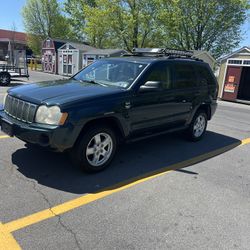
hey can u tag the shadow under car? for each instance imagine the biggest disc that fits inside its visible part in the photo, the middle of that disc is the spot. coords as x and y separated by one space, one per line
133 161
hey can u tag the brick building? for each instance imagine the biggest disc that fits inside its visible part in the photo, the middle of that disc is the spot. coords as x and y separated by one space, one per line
11 42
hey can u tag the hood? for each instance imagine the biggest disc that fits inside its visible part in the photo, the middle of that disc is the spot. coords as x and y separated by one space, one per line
61 91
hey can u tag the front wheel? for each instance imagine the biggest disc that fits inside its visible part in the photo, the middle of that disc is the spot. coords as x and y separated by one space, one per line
5 79
95 150
198 126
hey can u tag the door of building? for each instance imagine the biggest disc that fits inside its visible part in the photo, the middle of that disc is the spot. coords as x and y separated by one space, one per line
244 88
232 82
48 62
67 64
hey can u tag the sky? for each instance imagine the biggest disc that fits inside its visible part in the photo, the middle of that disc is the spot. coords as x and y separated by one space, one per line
11 14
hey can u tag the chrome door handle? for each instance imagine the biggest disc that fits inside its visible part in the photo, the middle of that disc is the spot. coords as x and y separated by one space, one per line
184 101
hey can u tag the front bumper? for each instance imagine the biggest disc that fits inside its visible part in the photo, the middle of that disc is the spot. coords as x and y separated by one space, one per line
58 138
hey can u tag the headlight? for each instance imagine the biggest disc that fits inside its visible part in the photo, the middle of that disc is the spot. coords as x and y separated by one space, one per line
50 115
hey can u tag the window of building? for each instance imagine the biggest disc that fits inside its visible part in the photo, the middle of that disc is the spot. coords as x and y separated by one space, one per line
234 61
48 44
246 62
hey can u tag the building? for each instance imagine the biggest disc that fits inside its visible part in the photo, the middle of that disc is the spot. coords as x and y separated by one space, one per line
234 76
206 57
95 54
70 57
50 55
13 47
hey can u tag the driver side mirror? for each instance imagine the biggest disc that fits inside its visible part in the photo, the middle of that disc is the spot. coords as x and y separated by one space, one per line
150 86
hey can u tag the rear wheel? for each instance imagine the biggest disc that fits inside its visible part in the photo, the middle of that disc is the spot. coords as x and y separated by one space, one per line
95 150
198 126
5 78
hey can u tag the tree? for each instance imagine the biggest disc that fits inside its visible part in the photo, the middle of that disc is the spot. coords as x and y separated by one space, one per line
42 19
76 15
97 29
211 25
123 23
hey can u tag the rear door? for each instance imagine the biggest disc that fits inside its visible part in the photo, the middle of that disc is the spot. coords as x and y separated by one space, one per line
185 89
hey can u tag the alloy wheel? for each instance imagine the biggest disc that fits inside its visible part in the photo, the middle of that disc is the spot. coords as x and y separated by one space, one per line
99 149
199 126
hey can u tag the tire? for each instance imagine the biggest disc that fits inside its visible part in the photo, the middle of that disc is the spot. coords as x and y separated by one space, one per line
5 79
198 126
90 153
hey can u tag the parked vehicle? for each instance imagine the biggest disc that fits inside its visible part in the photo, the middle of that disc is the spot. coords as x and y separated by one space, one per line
146 93
8 71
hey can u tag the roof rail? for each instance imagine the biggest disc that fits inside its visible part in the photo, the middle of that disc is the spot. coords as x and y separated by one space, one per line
161 52
146 52
178 52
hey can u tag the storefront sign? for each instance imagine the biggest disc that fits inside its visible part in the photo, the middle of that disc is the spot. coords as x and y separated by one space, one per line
231 79
230 88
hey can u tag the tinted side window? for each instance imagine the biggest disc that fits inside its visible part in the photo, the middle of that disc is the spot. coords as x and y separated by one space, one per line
185 76
161 73
205 76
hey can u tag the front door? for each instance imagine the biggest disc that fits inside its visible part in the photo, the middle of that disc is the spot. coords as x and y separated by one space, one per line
48 62
244 88
155 109
232 82
67 64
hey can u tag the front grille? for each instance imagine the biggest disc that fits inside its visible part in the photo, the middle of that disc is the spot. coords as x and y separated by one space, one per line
20 110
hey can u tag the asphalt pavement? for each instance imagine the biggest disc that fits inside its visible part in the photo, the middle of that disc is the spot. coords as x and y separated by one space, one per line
159 193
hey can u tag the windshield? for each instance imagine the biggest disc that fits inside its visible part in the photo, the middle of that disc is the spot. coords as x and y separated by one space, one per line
111 72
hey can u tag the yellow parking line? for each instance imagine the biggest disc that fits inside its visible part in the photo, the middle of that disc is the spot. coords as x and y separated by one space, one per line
4 136
245 141
7 241
83 200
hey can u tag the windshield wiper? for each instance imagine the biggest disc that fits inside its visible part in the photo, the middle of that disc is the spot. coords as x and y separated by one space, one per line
93 82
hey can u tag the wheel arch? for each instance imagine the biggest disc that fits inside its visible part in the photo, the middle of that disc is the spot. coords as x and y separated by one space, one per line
207 109
111 122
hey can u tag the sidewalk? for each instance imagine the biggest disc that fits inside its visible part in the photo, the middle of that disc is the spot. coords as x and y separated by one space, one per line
234 104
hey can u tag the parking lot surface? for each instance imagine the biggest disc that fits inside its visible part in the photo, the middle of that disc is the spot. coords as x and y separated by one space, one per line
159 193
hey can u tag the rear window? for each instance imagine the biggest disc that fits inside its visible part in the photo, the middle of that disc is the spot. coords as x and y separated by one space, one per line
205 76
185 76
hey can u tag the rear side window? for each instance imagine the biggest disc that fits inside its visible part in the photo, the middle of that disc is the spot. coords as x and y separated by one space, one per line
205 76
185 76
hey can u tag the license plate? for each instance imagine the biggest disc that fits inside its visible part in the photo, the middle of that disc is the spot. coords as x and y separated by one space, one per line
7 128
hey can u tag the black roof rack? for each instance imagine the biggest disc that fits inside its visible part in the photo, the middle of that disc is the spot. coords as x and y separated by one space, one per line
176 52
163 52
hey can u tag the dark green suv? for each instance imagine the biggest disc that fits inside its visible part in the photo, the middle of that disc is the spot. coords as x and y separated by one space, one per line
145 93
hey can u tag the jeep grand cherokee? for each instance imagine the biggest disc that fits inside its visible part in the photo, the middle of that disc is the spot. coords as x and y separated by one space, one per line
147 92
